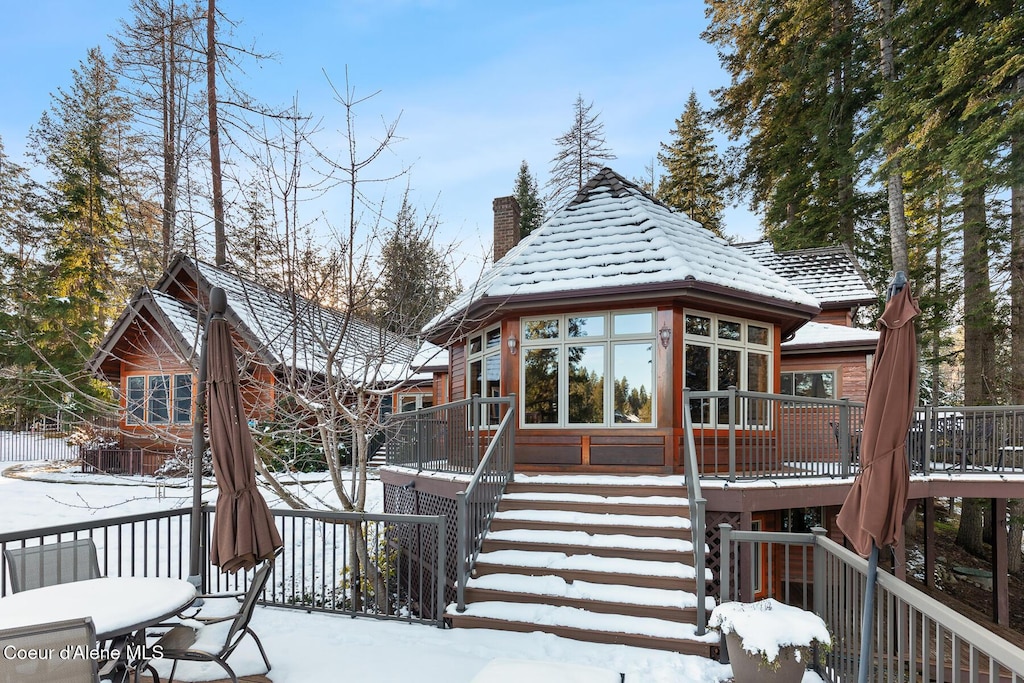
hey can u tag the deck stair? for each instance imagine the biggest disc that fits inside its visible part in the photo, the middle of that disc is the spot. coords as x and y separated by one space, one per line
605 559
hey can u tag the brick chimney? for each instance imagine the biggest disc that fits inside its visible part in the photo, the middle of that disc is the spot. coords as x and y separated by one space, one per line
506 225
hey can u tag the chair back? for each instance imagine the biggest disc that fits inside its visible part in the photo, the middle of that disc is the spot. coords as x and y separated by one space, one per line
57 652
52 563
244 615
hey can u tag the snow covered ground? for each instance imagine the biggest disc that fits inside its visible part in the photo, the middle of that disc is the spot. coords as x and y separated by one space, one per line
316 647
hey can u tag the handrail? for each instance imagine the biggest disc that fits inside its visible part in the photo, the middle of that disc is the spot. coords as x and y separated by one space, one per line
698 505
490 477
911 628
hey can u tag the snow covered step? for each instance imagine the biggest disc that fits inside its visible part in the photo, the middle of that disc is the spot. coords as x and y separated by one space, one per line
580 624
581 542
674 605
609 570
596 523
593 503
603 485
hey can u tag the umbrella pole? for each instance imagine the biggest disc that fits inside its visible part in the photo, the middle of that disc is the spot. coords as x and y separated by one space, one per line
218 304
869 604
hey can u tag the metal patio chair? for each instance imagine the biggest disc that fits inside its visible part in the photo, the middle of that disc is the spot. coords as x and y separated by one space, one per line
217 636
53 661
52 563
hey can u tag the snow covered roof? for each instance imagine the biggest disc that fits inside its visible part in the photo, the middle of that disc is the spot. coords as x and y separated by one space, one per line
286 330
613 236
825 336
831 274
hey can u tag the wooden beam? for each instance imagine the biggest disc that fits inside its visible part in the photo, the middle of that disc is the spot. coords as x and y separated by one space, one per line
929 542
1000 568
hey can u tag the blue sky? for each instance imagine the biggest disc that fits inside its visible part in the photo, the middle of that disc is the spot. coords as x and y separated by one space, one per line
479 85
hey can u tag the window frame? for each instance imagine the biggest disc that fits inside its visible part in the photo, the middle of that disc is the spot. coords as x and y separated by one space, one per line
814 371
607 340
715 343
139 407
490 414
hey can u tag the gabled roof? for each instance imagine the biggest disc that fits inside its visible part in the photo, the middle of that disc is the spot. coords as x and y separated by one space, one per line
613 236
832 274
827 337
286 330
173 320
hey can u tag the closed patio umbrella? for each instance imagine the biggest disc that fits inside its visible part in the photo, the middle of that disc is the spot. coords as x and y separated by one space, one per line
872 515
243 528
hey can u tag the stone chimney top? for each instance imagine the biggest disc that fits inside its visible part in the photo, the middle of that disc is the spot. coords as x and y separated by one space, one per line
506 225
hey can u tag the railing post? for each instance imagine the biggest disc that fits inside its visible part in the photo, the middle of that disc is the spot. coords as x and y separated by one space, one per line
926 456
725 567
844 437
474 407
512 438
417 442
461 549
442 570
732 433
698 537
819 588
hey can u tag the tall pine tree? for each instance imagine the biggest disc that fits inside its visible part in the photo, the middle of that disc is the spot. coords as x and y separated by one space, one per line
531 206
83 143
694 174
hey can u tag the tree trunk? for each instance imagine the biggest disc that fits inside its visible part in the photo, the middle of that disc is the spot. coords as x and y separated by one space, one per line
979 342
1016 533
219 240
897 214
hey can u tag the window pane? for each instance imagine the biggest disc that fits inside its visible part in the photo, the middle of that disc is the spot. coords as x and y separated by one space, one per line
730 330
136 400
699 325
787 383
814 384
588 326
757 335
728 376
492 366
475 384
159 390
698 367
633 370
586 384
634 323
757 372
540 329
540 390
475 344
494 338
183 399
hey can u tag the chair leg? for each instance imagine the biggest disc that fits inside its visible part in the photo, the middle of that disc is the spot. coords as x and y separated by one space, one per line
226 667
263 652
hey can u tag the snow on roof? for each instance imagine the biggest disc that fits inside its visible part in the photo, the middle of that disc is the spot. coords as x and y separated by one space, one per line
832 274
182 317
615 235
293 331
816 335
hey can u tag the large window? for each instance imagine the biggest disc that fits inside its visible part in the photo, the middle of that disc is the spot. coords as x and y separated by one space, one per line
484 371
809 383
723 352
588 369
158 399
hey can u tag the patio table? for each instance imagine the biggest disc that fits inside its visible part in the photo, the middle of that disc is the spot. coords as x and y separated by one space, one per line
118 605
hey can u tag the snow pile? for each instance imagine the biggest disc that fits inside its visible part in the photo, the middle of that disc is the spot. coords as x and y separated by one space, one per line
767 626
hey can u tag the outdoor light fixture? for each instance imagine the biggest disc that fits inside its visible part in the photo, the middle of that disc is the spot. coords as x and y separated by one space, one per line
513 344
665 335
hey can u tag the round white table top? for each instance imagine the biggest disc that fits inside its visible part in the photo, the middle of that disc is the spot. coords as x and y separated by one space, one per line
117 605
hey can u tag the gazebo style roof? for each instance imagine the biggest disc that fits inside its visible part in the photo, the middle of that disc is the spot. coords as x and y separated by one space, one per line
614 239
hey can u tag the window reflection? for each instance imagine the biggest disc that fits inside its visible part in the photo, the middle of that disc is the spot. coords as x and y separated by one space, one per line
586 384
540 391
634 383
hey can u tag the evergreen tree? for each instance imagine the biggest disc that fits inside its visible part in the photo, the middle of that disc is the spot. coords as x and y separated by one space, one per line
799 82
82 143
416 280
694 174
531 206
582 152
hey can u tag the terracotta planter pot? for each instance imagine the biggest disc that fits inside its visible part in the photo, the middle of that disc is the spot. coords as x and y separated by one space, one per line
751 668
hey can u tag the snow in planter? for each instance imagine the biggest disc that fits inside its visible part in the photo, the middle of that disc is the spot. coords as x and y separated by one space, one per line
767 626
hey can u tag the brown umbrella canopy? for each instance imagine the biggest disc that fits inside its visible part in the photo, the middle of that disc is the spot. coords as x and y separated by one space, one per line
873 511
243 529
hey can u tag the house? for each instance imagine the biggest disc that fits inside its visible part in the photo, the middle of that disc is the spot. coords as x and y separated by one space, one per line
150 354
